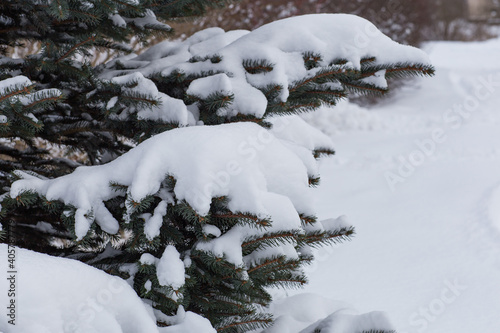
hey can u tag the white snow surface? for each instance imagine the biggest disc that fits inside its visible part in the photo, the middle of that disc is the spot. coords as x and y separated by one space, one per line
17 81
170 269
153 223
293 129
148 259
57 295
418 175
190 323
304 313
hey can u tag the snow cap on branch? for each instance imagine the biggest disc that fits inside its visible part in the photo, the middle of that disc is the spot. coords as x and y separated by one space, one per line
242 161
284 53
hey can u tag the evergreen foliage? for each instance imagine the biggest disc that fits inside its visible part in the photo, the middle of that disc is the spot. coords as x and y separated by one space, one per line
53 121
56 99
69 31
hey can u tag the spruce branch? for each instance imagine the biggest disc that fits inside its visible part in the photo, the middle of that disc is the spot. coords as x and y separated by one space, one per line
244 324
75 47
253 66
329 74
16 90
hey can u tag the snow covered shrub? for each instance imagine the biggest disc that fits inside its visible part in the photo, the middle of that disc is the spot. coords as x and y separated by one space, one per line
211 207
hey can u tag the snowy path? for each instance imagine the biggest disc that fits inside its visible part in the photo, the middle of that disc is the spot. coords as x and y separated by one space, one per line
427 248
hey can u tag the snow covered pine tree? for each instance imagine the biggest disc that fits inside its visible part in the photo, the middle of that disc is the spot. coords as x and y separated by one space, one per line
67 33
212 206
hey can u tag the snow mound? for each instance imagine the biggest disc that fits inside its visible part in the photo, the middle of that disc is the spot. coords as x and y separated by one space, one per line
189 322
345 117
494 208
170 269
293 128
310 313
345 322
60 295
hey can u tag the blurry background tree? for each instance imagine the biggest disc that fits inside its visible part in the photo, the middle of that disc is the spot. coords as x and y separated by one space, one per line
406 21
484 10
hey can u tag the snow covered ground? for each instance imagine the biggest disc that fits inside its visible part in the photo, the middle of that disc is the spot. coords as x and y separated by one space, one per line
419 177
